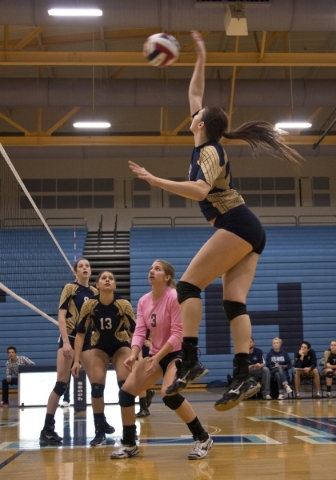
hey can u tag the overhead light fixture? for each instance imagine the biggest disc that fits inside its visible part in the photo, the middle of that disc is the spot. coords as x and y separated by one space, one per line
293 125
75 12
92 124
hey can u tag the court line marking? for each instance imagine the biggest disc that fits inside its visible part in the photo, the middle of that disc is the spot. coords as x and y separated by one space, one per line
10 459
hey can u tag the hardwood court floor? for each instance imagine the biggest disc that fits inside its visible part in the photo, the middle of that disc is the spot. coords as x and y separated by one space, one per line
277 440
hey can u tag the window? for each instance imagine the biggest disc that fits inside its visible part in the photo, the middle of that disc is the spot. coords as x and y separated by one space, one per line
141 193
80 193
103 201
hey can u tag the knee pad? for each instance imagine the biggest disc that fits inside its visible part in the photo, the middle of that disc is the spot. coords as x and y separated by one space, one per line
97 390
330 374
187 290
60 388
126 399
234 309
173 401
121 383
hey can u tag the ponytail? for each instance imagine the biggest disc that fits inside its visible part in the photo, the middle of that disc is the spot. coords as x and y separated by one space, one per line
262 135
259 135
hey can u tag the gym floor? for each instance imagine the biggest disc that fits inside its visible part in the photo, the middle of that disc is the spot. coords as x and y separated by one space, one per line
286 439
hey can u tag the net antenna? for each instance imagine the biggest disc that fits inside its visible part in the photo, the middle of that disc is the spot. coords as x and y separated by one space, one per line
33 265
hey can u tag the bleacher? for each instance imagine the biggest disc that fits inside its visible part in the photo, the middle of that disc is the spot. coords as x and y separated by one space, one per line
292 296
36 271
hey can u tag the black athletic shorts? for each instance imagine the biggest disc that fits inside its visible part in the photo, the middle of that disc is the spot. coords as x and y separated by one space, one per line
242 222
86 345
111 349
168 358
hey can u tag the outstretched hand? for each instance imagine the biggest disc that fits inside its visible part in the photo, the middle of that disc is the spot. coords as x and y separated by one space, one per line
141 172
199 42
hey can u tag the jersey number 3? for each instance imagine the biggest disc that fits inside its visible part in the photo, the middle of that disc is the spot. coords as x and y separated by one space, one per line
153 317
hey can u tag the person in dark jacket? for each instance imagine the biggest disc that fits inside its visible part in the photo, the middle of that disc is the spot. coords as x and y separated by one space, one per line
305 364
258 370
279 364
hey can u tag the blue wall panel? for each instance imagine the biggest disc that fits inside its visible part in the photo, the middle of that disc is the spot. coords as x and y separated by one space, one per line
292 296
32 266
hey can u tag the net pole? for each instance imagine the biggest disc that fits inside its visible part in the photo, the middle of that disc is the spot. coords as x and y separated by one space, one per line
28 304
22 185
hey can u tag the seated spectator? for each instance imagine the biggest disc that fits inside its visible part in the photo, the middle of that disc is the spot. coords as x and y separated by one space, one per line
330 367
258 370
279 364
305 364
12 368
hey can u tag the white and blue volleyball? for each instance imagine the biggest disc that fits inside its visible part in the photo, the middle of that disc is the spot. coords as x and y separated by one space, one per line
161 49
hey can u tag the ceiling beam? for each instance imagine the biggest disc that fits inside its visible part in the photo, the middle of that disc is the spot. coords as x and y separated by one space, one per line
88 37
220 59
141 141
25 41
14 124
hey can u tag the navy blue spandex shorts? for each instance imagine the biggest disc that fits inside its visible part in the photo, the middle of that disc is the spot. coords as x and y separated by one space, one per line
242 222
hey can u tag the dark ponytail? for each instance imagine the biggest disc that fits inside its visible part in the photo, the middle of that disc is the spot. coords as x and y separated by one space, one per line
259 135
264 136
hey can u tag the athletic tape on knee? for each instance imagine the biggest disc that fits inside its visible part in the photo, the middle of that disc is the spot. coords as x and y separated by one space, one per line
187 290
60 388
234 309
126 399
173 401
97 390
329 374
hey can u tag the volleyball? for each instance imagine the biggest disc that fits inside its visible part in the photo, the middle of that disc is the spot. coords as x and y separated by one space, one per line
161 49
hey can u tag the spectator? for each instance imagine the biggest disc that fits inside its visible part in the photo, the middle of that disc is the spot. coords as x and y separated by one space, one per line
279 364
258 369
12 368
305 364
330 367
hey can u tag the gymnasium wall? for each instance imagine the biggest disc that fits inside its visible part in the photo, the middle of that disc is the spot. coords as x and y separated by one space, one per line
293 295
37 274
159 206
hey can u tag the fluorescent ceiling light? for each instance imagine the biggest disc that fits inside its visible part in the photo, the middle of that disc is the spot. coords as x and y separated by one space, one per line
75 12
298 125
92 125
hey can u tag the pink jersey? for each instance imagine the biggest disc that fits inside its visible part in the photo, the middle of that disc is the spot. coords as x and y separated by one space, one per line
162 318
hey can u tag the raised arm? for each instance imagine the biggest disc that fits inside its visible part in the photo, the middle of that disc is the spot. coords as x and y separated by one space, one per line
196 86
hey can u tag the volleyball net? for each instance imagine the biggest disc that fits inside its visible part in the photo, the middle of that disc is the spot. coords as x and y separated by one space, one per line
33 265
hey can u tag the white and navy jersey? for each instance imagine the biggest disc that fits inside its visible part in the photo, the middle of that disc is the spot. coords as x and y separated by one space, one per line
12 368
110 324
209 163
73 297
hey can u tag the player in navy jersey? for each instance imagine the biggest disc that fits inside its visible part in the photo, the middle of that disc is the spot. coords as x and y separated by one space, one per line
112 321
329 370
233 250
73 296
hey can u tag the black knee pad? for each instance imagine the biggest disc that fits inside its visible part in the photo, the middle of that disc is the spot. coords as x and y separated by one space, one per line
60 388
173 401
97 390
126 399
234 309
187 290
121 383
329 374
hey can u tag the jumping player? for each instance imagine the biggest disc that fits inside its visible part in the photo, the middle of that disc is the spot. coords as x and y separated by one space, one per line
233 250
